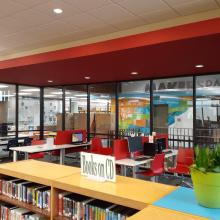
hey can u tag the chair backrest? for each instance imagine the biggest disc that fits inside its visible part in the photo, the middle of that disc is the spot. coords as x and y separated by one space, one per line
157 164
120 149
27 141
12 143
185 156
63 137
96 144
37 142
163 136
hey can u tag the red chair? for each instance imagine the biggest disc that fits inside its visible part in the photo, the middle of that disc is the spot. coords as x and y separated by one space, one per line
65 137
185 159
157 167
97 147
121 149
37 155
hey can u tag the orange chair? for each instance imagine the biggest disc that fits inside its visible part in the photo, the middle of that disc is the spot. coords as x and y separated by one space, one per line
37 155
157 167
185 159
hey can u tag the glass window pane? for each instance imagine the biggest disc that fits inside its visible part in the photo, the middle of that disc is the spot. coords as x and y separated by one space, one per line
29 108
52 109
76 107
134 107
208 109
173 110
7 110
102 108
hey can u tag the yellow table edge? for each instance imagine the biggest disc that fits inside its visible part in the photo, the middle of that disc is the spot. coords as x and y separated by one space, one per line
159 213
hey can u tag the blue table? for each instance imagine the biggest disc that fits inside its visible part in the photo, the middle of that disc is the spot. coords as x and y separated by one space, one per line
183 200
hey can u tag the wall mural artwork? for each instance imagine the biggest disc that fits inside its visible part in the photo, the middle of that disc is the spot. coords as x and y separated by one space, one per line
134 114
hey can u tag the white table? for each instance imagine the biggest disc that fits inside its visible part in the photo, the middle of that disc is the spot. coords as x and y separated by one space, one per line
45 148
128 162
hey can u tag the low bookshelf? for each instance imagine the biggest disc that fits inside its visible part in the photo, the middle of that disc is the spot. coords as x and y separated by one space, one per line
34 173
136 195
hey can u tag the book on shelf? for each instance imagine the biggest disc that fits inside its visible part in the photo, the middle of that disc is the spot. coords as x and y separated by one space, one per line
11 212
80 207
26 191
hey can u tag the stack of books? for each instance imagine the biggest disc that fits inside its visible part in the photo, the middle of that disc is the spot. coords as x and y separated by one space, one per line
79 207
11 212
25 191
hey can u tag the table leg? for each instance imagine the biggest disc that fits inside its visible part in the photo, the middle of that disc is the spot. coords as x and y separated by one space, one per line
62 154
134 171
15 156
125 170
26 156
122 170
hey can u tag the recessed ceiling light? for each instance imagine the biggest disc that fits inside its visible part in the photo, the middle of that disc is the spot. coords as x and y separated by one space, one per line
87 77
58 10
199 66
50 81
134 73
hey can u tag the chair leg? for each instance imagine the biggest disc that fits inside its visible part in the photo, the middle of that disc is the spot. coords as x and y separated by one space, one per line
153 178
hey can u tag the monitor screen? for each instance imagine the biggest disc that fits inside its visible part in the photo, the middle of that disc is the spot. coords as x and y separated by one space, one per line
161 144
135 144
150 149
77 137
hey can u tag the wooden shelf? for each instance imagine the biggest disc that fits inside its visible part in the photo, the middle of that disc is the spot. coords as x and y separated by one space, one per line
25 205
126 191
61 218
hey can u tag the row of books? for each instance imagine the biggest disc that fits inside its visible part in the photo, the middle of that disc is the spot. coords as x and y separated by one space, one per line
11 212
80 207
25 191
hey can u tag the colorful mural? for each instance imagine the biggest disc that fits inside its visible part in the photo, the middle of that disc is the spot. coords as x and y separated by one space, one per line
134 113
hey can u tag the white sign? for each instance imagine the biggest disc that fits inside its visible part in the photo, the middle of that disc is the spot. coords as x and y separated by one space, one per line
151 139
98 167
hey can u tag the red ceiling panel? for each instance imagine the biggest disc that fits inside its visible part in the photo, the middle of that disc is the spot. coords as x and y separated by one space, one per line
175 53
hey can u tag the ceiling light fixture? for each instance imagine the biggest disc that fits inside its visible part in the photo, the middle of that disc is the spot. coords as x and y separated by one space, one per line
50 81
134 73
87 77
3 86
24 93
199 66
30 90
57 10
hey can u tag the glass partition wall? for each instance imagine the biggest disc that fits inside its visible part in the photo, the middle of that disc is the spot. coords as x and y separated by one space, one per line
7 111
173 110
76 107
117 109
29 111
208 109
102 111
53 102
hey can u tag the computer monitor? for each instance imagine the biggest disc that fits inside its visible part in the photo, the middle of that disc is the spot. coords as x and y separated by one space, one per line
77 138
161 144
150 149
135 144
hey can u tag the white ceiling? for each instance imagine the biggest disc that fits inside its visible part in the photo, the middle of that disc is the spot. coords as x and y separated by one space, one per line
31 24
